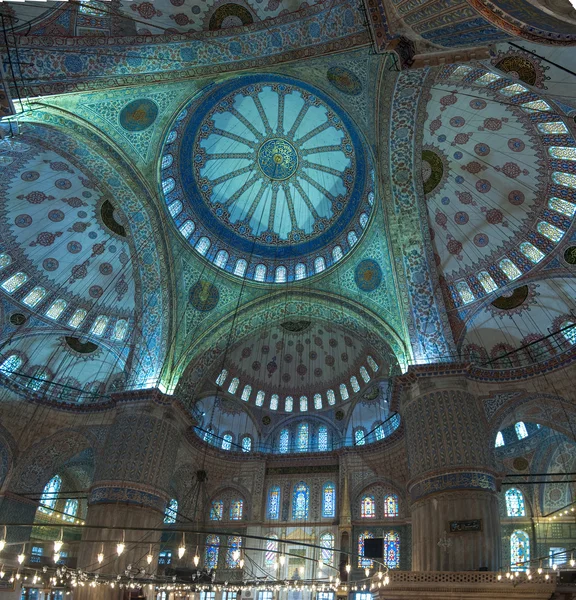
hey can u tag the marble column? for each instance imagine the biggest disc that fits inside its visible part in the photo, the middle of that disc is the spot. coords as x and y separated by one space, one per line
452 477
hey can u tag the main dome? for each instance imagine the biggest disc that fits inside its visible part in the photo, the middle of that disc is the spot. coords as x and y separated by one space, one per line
267 178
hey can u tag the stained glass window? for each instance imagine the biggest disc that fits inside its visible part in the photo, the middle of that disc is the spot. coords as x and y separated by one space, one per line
536 106
554 127
11 365
300 501
392 550
288 404
221 258
39 378
203 245
562 152
354 383
302 437
260 398
337 253
274 503
364 562
233 385
359 436
89 7
240 267
510 269
168 185
391 505
5 260
379 432
460 71
557 556
368 507
519 550
217 510
487 78
531 252
260 273
284 444
319 264
487 282
50 494
512 90
566 179
167 160
233 554
13 283
187 228
327 544
322 438
120 330
70 510
236 508
222 377
344 391
99 325
550 231
34 296
246 444
246 393
364 374
300 271
329 500
499 440
211 552
303 403
352 238
464 292
171 511
521 431
373 365
77 318
227 441
363 220
515 503
317 401
271 551
562 206
56 309
208 435
331 397
171 137
274 402
569 334
281 274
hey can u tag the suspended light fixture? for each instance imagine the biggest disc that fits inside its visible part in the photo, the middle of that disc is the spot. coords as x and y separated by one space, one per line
59 542
540 568
2 572
57 556
182 547
21 558
3 540
282 559
241 563
572 561
100 556
120 547
348 568
367 572
149 556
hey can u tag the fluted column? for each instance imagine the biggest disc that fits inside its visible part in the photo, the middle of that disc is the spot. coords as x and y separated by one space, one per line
452 477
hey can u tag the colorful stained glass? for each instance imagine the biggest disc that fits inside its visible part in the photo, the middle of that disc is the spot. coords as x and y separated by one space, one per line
519 550
392 550
274 402
319 264
331 397
57 308
260 398
562 206
364 562
39 378
34 296
550 231
271 551
236 509
167 160
175 208
317 401
50 494
570 333
344 391
512 90
352 238
359 436
5 260
221 259
211 552
515 503
487 78
120 330
302 437
13 283
300 501
240 267
354 383
300 271
557 556
227 441
70 510
373 365
328 500
233 385
171 137
288 404
460 72
465 292
77 318
531 252
566 179
379 432
217 510
327 544
510 269
499 440
171 511
187 228
562 152
322 438
246 393
260 273
168 185
521 431
303 403
368 507
208 435
536 106
363 220
364 374
246 444
486 282
222 377
203 245
233 554
10 365
337 253
391 506
99 325
281 274
284 443
274 503
89 7
553 127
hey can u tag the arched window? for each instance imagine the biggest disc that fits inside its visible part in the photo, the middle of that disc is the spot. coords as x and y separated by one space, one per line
300 501
284 442
363 220
274 402
236 509
319 264
281 274
465 292
57 308
499 440
300 271
364 562
368 507
359 436
550 231
260 398
486 281
168 185
99 325
240 267
246 393
187 228
167 160
303 403
120 330
327 545
521 431
233 385
331 397
171 137
392 550
70 510
5 260
318 401
329 500
515 503
274 503
171 511
379 431
531 252
519 550
217 510
352 238
203 245
33 297
36 383
208 435
344 391
373 365
175 208
271 551
364 374
221 259
354 383
77 318
211 552
322 438
302 437
288 404
391 506
227 441
233 554
337 253
569 331
246 444
10 365
562 206
510 269
50 494
13 283
260 273
222 377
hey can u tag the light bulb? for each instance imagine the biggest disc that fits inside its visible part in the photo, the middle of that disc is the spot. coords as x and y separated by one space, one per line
241 563
58 546
100 558
282 559
380 574
196 558
367 571
527 572
508 575
2 573
181 551
236 554
499 577
21 558
539 570
546 577
348 567
386 580
56 556
2 544
554 567
120 548
149 558
18 575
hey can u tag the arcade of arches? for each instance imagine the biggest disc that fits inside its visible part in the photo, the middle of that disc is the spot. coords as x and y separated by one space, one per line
287 299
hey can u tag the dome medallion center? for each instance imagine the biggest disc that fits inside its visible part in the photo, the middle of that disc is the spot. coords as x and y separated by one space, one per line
277 159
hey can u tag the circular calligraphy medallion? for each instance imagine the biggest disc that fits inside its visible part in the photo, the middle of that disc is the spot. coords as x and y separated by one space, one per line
277 159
